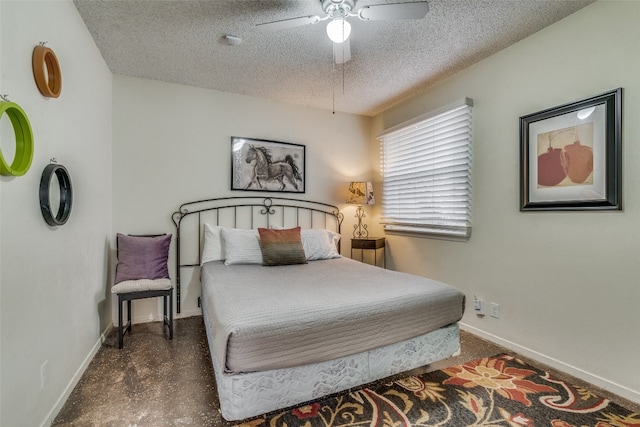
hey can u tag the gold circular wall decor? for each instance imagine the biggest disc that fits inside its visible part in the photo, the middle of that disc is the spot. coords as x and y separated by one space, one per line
46 71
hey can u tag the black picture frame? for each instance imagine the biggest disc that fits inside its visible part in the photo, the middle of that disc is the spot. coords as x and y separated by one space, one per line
263 165
571 156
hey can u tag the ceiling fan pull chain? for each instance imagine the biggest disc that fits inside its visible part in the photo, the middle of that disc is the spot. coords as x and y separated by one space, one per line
342 75
333 85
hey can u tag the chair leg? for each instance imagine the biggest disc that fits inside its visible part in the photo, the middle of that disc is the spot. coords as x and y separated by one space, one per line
120 326
165 318
171 315
129 323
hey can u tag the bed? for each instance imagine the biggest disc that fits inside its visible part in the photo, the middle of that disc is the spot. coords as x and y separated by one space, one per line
285 334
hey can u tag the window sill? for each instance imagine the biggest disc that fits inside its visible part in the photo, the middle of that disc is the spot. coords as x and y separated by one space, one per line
430 233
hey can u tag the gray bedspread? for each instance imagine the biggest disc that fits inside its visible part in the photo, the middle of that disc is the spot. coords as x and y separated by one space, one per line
277 317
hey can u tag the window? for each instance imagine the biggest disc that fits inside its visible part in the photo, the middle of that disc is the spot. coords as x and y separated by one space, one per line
426 173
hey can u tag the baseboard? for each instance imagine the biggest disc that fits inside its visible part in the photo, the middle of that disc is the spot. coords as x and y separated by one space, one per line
189 313
596 380
158 318
76 378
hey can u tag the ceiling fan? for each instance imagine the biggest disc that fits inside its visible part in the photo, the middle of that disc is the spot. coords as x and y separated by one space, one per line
339 29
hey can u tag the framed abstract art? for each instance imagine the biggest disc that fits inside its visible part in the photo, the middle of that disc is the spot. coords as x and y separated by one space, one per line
570 156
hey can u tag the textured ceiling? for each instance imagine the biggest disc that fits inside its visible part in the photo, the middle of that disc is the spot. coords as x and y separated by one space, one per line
182 41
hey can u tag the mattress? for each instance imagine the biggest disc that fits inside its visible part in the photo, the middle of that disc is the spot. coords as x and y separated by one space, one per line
265 318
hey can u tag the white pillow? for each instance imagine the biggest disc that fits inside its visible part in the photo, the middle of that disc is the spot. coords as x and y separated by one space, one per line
212 250
241 246
320 244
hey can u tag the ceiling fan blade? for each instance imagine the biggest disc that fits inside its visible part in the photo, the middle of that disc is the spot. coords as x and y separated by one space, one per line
381 12
342 52
288 23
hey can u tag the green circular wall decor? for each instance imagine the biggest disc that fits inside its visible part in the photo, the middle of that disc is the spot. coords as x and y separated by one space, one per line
62 212
23 137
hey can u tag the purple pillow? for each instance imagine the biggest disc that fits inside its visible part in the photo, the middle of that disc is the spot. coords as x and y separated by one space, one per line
142 257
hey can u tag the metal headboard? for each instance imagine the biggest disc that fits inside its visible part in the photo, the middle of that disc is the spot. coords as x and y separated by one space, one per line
249 212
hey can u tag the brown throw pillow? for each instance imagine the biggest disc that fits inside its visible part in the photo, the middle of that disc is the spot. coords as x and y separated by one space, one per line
281 247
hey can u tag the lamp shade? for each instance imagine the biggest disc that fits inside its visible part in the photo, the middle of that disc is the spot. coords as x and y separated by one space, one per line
361 193
338 30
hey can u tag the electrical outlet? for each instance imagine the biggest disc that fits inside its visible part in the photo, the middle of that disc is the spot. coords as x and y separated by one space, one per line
495 310
44 374
478 306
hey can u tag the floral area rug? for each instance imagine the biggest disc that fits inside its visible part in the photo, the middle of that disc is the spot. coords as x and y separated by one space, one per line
490 392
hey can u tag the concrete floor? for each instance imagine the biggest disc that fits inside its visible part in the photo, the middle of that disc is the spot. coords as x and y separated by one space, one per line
154 382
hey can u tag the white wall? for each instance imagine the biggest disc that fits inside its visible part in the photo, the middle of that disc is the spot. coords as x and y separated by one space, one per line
566 282
172 145
1 147
54 304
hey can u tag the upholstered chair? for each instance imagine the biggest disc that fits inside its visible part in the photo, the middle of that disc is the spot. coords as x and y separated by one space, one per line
142 272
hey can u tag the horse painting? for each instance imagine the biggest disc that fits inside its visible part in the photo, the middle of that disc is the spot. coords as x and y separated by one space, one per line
266 169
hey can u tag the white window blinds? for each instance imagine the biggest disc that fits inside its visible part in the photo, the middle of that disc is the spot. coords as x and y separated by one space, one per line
426 168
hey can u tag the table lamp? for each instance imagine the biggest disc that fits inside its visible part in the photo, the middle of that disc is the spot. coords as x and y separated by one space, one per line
360 193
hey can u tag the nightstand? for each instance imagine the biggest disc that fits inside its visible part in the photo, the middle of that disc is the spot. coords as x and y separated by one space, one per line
370 244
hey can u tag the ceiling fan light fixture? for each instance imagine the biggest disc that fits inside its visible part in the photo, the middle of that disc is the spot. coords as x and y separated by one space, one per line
338 30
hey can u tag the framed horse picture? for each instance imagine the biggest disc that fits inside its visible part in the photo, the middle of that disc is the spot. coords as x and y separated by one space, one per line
261 165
